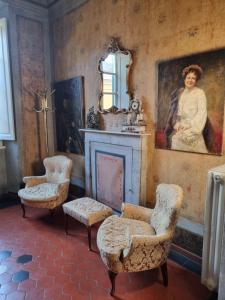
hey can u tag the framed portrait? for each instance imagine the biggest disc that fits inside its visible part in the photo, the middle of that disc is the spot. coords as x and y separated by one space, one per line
69 115
190 108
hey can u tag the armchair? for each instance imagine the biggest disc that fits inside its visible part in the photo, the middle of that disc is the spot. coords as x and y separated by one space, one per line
140 239
49 190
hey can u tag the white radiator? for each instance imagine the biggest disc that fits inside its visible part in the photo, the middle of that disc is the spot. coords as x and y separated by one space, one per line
213 227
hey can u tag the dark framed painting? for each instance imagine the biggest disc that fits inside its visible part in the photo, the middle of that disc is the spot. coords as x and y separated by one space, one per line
69 115
190 108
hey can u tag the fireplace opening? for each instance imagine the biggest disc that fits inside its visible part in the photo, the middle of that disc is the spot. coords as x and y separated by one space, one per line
110 179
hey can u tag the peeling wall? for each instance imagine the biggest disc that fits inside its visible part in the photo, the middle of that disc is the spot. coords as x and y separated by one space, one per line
156 30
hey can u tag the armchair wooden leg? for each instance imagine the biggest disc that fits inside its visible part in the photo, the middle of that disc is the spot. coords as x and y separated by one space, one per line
89 237
23 209
112 277
66 220
164 274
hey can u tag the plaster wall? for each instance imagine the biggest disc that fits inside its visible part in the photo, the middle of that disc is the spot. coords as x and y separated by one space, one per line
30 37
28 33
3 179
155 30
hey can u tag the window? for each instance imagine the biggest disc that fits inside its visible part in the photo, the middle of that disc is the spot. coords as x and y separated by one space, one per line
6 106
114 74
109 81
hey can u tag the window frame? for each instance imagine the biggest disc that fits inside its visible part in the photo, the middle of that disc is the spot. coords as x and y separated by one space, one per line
114 92
9 134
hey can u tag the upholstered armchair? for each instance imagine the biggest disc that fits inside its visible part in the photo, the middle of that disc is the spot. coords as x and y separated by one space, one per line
140 239
49 190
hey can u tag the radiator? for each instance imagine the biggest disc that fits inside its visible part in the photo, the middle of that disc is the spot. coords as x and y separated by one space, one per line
213 227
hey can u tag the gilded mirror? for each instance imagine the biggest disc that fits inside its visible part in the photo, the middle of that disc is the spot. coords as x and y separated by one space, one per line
114 69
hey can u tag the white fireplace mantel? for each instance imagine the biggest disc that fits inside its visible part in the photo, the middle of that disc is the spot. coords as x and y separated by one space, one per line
131 148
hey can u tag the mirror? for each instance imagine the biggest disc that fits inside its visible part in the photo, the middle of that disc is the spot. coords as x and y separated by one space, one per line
114 69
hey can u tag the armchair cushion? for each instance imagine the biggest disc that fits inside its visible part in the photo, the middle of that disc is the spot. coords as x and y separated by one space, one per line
40 192
115 237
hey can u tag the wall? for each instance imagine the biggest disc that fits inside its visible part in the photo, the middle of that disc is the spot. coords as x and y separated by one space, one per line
30 37
155 30
3 178
30 64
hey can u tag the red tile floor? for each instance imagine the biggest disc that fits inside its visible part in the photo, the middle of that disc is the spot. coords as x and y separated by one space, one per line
61 267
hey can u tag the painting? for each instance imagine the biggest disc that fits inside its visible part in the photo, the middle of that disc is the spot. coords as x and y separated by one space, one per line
69 115
190 108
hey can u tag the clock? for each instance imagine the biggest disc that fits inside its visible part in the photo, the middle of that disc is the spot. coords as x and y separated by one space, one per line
134 105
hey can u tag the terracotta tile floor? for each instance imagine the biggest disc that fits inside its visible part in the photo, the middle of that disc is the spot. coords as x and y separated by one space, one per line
58 267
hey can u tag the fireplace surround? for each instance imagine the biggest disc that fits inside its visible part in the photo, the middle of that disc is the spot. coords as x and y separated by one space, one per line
116 165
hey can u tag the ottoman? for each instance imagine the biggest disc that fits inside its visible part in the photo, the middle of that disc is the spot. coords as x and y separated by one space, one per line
87 211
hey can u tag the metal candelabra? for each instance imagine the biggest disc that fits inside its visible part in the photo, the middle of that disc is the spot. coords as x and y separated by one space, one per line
44 96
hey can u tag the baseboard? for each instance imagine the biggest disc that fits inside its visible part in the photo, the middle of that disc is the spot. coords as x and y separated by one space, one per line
187 254
189 241
9 199
186 259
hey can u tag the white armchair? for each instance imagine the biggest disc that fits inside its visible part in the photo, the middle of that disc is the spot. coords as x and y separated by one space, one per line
140 239
49 190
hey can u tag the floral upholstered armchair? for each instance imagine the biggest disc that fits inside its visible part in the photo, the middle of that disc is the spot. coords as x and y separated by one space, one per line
51 189
140 239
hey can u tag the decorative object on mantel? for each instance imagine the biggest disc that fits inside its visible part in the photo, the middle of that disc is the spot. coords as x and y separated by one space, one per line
135 119
113 110
114 68
113 121
93 120
44 96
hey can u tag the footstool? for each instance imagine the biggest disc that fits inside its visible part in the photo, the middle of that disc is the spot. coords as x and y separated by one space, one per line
87 211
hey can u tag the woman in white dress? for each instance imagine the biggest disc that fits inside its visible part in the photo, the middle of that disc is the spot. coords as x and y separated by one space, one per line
191 114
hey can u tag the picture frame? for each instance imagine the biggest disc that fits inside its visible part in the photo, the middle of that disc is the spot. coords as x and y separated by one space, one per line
69 115
191 118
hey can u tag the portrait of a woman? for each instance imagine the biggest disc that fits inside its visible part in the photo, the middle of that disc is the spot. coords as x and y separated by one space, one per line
187 114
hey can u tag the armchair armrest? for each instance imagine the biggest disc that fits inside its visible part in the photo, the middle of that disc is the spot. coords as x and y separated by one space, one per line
136 212
147 251
34 180
150 240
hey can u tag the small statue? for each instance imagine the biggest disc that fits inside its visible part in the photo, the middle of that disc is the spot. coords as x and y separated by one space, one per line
93 120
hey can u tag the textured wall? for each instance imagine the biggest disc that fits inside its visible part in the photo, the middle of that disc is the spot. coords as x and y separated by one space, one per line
3 177
31 60
155 30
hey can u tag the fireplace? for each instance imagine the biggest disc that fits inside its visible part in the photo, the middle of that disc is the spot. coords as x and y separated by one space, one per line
115 167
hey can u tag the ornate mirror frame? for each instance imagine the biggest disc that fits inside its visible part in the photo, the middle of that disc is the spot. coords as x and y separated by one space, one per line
114 47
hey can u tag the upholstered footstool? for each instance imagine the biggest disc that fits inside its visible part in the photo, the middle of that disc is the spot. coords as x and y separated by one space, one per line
87 211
